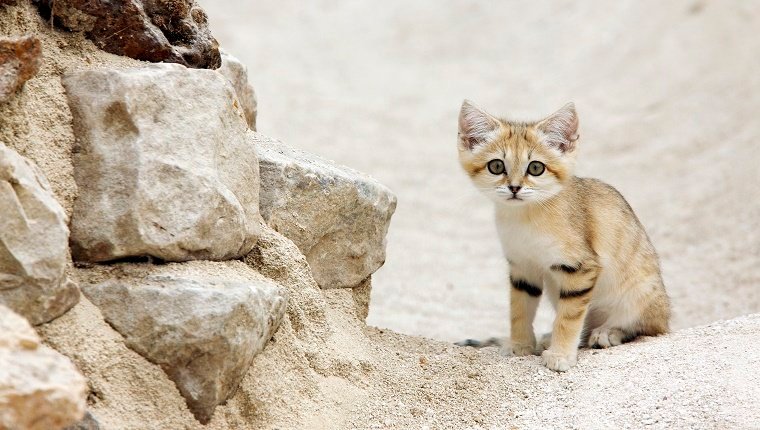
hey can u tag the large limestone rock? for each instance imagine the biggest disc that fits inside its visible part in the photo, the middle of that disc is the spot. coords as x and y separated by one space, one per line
172 31
237 74
203 332
34 242
20 59
40 389
336 216
165 166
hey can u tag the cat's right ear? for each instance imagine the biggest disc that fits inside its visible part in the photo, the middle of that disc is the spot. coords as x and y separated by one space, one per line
476 126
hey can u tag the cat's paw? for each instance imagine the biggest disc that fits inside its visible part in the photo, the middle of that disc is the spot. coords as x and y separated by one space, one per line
557 361
544 343
605 337
521 350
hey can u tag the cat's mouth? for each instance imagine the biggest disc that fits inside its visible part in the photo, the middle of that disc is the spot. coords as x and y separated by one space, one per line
510 197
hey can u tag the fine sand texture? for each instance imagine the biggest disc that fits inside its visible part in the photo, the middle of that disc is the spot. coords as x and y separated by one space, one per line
668 95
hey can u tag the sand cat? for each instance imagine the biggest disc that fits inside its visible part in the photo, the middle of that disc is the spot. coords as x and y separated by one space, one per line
575 240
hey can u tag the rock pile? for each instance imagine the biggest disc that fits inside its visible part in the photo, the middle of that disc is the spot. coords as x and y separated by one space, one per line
167 170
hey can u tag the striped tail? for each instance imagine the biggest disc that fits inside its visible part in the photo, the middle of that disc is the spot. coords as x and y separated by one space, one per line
493 341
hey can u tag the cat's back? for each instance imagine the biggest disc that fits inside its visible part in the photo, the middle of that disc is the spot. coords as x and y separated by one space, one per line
614 231
598 189
603 203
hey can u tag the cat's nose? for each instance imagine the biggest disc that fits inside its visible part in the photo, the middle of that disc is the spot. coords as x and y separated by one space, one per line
514 188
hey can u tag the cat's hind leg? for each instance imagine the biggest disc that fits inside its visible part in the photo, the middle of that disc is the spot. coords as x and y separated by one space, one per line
605 337
643 310
544 343
618 326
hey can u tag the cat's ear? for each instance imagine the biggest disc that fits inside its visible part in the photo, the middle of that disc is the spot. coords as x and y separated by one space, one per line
561 128
475 126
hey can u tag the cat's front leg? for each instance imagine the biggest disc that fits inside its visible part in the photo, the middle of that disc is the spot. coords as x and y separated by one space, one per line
576 289
524 297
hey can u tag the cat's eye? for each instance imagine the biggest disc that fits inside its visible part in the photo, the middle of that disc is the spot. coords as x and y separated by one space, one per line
536 168
496 167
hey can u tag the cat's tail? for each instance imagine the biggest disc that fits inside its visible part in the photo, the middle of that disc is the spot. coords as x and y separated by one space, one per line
493 341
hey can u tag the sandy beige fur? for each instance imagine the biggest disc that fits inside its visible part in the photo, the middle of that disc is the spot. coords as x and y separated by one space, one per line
575 240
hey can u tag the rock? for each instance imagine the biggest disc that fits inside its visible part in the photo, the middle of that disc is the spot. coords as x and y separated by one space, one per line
237 74
336 216
34 242
20 59
87 423
203 332
166 166
171 31
40 389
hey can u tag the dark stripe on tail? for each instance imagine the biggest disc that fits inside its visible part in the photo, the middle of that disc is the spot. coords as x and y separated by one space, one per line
572 294
494 341
526 287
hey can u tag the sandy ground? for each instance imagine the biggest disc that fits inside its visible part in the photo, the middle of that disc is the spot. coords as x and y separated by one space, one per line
668 95
698 378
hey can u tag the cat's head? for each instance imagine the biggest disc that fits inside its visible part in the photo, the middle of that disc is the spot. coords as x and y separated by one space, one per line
518 163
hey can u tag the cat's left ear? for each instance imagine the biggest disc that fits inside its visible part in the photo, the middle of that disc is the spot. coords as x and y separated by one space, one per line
561 128
476 126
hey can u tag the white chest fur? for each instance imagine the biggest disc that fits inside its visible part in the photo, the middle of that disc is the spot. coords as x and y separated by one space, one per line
524 243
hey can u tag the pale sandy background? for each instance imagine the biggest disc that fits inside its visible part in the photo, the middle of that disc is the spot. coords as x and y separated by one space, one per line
668 95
